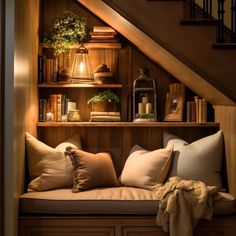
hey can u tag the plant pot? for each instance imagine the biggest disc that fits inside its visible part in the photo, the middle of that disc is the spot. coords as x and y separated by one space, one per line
103 106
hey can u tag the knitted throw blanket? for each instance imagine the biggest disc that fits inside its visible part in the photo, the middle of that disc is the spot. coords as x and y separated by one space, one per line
182 204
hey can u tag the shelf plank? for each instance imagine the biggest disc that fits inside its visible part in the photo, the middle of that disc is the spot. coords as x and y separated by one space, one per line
115 45
71 85
127 124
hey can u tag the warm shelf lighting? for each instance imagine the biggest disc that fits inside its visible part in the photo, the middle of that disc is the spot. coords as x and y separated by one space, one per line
81 71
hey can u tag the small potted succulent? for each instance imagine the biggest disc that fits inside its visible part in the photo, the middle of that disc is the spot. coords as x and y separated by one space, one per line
104 101
67 30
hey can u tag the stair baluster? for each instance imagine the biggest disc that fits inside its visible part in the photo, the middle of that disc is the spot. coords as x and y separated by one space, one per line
207 9
233 20
192 9
220 31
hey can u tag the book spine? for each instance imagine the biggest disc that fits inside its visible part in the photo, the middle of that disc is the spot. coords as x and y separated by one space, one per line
58 100
54 70
63 104
40 110
44 108
200 112
40 69
54 106
204 110
196 108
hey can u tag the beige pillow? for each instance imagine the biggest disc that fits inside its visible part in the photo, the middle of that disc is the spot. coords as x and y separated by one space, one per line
91 170
48 167
144 168
200 160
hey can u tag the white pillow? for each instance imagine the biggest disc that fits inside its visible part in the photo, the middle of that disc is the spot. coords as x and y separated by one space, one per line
200 160
48 167
144 169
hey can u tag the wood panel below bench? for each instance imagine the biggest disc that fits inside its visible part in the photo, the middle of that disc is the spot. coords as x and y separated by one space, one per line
114 226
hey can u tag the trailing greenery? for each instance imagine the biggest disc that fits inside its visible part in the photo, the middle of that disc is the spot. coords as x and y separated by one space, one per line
106 95
67 30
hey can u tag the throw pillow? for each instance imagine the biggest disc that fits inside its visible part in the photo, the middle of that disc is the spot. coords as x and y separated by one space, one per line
144 168
200 160
91 170
48 167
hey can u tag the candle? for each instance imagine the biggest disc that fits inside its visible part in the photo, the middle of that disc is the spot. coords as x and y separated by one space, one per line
144 100
49 116
140 108
148 108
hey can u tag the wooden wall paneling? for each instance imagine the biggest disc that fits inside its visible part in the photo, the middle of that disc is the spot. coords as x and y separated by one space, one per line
226 116
125 76
2 140
20 98
50 10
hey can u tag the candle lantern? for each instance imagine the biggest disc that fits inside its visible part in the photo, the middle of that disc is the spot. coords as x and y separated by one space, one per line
144 97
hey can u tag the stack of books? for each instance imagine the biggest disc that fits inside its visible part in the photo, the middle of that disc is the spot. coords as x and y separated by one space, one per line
105 116
197 110
103 34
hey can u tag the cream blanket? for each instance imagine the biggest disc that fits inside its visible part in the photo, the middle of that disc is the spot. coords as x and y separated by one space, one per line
182 204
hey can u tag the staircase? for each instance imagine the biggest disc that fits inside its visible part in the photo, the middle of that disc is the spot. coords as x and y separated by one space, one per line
192 42
184 49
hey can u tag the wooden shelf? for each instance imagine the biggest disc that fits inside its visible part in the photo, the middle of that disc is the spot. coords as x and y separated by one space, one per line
115 45
71 85
127 124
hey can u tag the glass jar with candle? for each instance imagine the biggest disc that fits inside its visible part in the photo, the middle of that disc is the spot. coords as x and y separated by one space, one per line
74 115
144 97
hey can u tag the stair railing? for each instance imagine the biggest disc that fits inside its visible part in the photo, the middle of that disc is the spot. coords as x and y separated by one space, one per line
233 21
222 39
220 30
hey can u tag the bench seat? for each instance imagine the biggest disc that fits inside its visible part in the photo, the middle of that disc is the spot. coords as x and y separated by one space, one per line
113 200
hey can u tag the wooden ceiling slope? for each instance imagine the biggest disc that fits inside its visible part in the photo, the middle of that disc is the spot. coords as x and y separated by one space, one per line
157 53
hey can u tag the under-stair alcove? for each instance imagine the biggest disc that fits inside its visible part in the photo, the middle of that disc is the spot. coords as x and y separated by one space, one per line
150 34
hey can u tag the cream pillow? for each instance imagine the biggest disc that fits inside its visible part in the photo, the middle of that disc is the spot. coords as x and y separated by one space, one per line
48 167
91 170
144 169
200 160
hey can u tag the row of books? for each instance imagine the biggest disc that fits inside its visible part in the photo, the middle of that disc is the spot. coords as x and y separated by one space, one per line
54 107
105 116
49 68
103 34
197 110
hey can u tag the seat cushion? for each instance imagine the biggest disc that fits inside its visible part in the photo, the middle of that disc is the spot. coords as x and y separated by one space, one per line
113 200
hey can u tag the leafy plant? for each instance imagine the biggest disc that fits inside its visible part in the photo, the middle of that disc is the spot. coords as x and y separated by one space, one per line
67 30
106 95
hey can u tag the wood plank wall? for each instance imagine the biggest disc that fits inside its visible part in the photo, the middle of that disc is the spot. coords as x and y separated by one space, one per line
2 20
226 116
119 140
20 99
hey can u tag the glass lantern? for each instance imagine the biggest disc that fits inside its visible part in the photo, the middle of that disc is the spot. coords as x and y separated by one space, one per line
81 71
144 98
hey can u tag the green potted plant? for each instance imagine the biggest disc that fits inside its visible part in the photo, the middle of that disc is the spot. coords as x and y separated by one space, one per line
67 30
104 101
